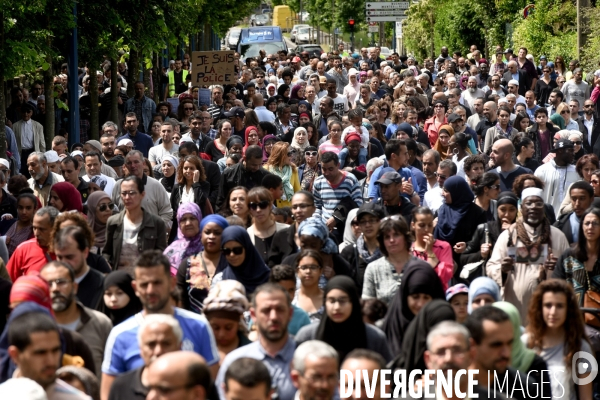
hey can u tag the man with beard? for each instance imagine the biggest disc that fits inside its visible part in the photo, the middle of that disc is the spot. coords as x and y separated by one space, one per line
42 178
167 146
591 123
472 93
490 116
159 334
431 161
315 358
70 314
109 144
502 157
69 168
271 311
153 285
532 231
495 88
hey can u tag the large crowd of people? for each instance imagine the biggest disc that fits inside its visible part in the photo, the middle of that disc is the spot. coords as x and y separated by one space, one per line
323 213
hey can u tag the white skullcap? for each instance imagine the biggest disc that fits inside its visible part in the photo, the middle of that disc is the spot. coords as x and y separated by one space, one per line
22 388
352 71
185 139
513 82
531 191
5 162
502 100
77 153
124 142
51 156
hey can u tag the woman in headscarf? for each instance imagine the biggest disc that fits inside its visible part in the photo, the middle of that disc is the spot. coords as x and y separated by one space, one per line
482 292
195 273
188 240
268 143
235 145
299 143
119 301
420 285
224 309
65 197
342 316
100 208
458 210
442 145
169 170
314 234
521 358
271 91
80 378
283 91
280 164
244 264
352 231
252 138
558 120
297 92
414 343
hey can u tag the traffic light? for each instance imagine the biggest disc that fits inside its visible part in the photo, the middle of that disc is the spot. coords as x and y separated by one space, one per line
351 25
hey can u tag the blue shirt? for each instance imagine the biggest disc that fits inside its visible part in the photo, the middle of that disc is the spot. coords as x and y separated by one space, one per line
575 222
405 172
122 351
141 142
278 366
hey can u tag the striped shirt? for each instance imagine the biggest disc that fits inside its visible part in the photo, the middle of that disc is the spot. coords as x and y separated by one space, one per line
328 197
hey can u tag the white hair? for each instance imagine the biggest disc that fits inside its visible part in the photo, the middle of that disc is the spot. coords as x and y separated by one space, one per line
445 329
315 348
573 132
164 319
373 164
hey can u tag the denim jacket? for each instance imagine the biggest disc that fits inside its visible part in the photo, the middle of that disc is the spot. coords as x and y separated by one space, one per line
148 108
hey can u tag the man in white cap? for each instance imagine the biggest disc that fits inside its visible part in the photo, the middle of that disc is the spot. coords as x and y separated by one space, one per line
5 168
513 88
526 253
558 174
514 73
53 161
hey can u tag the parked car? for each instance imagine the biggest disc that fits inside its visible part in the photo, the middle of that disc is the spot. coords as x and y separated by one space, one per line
260 20
232 38
385 53
312 49
306 35
294 31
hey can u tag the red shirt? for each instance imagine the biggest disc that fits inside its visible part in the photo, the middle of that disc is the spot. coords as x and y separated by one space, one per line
28 259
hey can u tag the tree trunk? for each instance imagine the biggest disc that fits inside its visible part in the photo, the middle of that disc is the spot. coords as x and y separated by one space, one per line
95 110
114 92
50 124
2 116
156 79
134 72
147 78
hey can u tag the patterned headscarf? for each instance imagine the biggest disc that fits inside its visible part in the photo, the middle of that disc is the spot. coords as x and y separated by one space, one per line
184 247
314 226
31 288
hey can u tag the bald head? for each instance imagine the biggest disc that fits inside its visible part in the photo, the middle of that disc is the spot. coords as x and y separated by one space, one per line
503 146
512 64
258 100
180 369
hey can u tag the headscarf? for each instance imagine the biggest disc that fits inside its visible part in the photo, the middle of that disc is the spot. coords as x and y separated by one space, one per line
233 140
349 237
227 299
89 380
74 145
272 99
495 228
96 144
482 285
308 107
216 218
558 120
281 90
295 144
521 357
169 182
271 85
417 277
336 334
122 280
314 226
246 133
96 226
253 271
184 247
266 138
31 288
294 94
438 146
69 195
451 215
414 343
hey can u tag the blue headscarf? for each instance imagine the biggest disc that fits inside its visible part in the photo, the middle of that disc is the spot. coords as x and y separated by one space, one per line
451 215
216 218
314 226
253 271
482 285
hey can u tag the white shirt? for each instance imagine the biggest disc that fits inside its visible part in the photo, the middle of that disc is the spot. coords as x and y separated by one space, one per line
433 199
27 136
340 105
105 182
156 153
589 124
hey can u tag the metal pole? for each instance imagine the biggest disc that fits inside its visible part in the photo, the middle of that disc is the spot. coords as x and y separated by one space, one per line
73 83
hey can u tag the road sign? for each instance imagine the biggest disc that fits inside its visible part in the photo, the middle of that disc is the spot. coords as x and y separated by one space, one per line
380 5
399 29
373 27
392 13
387 19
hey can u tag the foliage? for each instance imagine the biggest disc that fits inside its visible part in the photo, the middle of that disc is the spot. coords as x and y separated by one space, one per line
590 54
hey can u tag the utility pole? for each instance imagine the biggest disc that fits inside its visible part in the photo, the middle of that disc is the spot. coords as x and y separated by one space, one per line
582 24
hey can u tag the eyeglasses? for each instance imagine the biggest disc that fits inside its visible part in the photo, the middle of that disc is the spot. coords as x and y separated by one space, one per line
59 282
262 205
578 143
594 224
235 250
311 153
302 206
342 301
564 112
291 153
129 193
442 177
365 222
105 206
188 109
311 267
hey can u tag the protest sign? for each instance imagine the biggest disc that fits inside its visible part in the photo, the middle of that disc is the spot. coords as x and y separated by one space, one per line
213 68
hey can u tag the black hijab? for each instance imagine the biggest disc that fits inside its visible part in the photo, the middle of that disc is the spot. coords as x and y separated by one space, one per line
350 334
418 277
281 91
415 338
122 280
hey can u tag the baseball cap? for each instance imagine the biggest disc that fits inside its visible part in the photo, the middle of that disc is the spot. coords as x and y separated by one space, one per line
373 209
482 61
562 144
389 178
454 117
456 289
508 51
235 112
116 161
543 58
296 59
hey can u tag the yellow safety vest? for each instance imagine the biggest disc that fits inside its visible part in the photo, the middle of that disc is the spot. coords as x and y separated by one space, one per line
172 81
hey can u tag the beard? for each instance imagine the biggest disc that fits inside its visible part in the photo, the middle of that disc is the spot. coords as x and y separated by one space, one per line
60 303
471 90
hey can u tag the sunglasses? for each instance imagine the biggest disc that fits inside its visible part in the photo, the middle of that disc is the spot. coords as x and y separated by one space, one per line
188 109
104 207
236 250
441 176
310 153
262 205
291 153
578 143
